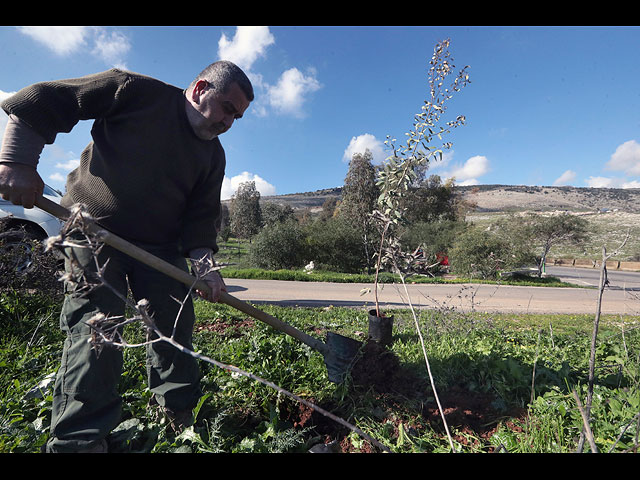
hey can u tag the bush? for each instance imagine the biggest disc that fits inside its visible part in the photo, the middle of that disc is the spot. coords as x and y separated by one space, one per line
480 253
334 244
434 237
279 245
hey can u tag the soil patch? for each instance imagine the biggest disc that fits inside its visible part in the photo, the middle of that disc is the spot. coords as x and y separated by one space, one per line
230 328
472 417
380 368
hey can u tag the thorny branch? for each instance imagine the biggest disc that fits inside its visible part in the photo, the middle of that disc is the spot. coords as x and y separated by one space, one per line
106 330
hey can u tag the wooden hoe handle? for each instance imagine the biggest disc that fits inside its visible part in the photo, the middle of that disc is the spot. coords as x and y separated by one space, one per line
178 274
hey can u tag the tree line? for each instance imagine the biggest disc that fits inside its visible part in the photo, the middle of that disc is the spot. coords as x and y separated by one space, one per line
343 236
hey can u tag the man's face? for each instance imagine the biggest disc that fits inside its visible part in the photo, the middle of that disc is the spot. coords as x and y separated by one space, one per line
215 112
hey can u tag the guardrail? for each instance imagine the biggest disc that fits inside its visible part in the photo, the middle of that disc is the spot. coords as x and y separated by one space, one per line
588 263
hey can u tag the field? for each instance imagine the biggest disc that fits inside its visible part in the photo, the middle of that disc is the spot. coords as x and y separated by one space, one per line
471 383
504 384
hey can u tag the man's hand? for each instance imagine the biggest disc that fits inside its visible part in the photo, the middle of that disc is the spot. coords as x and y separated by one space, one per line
204 267
20 184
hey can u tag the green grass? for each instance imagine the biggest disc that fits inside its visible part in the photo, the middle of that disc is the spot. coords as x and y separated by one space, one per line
482 365
385 277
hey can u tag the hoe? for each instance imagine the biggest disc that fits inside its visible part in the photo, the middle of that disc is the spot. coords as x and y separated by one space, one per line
339 352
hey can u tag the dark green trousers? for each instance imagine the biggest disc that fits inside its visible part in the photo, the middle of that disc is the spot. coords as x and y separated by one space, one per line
86 403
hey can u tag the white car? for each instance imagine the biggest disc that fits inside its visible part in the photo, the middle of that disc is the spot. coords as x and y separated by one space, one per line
36 222
19 226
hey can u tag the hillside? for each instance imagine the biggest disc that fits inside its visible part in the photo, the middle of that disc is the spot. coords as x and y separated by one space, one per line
501 198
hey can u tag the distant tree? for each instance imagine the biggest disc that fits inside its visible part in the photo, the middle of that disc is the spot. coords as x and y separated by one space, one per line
246 215
222 224
328 208
360 192
359 196
545 231
335 244
430 200
274 212
279 245
484 254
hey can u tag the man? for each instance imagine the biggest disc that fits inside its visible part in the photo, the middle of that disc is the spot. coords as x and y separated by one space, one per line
152 174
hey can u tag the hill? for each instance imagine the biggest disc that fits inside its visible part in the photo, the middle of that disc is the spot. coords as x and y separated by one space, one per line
506 198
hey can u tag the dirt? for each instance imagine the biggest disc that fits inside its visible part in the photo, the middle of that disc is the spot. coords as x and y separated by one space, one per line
232 329
471 416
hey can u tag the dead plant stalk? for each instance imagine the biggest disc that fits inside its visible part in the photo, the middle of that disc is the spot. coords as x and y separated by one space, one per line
592 359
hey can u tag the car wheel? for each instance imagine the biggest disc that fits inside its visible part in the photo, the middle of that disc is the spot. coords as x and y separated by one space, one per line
17 250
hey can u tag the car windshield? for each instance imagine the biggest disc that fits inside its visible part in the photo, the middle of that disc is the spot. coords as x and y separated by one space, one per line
50 191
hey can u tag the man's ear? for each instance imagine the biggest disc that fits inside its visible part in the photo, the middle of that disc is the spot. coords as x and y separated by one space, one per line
198 89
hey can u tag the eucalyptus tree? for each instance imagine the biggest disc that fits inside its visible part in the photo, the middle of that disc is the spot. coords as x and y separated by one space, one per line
359 196
246 215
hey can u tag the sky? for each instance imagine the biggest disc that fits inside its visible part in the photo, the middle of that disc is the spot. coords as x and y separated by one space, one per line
546 105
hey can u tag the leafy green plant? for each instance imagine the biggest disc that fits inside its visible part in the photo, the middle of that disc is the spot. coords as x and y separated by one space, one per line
482 363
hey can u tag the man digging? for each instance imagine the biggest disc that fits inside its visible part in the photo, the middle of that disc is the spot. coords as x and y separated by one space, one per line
152 174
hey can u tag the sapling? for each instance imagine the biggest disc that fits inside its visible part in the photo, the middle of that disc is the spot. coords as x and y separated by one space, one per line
401 168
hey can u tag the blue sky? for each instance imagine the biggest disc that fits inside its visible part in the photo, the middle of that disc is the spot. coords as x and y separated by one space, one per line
546 105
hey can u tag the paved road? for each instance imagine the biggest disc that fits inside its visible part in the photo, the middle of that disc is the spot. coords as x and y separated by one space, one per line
591 277
484 298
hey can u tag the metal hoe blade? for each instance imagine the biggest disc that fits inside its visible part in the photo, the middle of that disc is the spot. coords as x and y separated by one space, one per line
340 356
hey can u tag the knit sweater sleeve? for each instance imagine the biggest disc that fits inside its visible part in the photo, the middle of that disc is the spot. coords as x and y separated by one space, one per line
54 107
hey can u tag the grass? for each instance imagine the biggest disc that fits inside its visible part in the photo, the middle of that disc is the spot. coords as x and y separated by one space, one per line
483 367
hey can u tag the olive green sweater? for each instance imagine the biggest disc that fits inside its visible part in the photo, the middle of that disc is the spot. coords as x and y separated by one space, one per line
145 175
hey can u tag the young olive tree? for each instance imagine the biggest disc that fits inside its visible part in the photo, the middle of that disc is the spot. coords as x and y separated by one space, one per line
407 162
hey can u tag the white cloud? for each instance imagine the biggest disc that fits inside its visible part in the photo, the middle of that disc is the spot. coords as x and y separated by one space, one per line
468 173
247 45
61 40
626 158
230 185
289 94
364 142
106 43
566 178
4 118
68 165
112 46
608 182
57 177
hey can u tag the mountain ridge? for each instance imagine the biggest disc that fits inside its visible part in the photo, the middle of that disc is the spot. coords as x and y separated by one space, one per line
503 198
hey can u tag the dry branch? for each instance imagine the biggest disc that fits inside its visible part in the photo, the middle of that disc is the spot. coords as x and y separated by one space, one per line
106 329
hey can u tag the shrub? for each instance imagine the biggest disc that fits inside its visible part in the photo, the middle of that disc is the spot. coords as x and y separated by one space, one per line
335 244
434 237
480 253
279 245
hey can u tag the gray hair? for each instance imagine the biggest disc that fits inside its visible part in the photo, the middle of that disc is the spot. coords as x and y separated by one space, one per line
222 74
